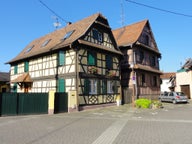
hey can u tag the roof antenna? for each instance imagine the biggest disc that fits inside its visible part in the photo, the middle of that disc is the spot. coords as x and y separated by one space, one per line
56 24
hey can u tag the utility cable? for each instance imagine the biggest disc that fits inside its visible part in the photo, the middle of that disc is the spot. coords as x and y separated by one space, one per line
53 11
159 9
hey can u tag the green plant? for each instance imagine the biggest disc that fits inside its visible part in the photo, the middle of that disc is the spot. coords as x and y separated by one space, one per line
156 104
143 103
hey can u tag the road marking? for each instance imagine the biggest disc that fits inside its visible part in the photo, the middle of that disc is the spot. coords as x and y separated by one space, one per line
110 134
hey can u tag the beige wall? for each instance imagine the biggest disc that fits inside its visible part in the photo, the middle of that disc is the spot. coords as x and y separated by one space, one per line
184 78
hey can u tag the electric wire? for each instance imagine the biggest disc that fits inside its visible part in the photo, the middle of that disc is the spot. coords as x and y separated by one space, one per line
159 9
53 11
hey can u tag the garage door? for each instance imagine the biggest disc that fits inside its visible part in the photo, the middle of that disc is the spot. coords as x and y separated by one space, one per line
186 90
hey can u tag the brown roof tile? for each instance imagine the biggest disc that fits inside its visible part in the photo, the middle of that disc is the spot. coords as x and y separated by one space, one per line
56 37
129 34
25 77
167 75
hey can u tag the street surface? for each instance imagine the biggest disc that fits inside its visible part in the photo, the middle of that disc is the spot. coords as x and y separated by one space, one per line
111 125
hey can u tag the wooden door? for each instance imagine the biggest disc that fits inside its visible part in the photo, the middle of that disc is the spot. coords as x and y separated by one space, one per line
186 90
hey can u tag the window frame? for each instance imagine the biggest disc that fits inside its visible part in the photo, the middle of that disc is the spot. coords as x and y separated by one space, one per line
97 35
93 89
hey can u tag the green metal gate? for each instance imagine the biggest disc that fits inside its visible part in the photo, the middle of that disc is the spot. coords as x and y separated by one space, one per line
23 103
9 104
33 103
61 102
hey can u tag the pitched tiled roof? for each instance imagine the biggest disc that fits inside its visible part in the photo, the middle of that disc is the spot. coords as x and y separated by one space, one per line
167 75
79 28
129 34
4 77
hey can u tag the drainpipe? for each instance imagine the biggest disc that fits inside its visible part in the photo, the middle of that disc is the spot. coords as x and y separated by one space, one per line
134 78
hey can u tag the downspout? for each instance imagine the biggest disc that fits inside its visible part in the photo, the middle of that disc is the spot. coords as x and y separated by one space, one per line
76 74
134 78
135 74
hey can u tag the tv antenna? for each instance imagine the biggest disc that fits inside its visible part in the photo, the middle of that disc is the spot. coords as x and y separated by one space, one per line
56 24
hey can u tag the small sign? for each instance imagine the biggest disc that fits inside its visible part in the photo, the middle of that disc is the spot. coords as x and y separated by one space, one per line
134 79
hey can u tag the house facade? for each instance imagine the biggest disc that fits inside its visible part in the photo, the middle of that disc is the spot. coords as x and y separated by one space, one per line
168 81
4 82
184 78
82 57
140 74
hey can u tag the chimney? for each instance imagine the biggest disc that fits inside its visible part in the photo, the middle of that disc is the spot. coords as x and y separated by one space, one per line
69 23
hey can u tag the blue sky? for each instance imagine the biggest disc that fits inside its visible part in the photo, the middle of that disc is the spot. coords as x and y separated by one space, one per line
25 20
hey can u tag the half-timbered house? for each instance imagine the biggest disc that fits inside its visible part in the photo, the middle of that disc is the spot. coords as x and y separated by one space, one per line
140 67
81 57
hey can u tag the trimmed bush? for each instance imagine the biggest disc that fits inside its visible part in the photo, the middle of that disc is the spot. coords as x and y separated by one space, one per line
143 103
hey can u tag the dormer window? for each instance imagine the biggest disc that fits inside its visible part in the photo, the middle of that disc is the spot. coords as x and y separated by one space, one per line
68 34
45 43
29 49
97 35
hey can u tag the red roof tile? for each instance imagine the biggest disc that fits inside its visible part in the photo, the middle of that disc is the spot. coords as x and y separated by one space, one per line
56 37
167 75
129 34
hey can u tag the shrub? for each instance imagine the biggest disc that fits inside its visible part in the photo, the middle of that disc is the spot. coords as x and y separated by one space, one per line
143 103
157 104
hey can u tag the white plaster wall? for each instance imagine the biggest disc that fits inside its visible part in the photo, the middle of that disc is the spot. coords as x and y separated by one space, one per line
165 85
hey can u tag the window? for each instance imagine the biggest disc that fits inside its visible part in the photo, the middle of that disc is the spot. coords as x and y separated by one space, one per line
68 34
110 87
154 81
61 58
26 66
45 43
29 49
15 69
61 85
109 62
142 80
93 87
153 61
97 35
91 58
141 56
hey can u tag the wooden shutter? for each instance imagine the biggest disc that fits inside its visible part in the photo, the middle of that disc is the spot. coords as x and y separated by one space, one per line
91 59
61 58
26 66
86 86
15 87
109 62
15 69
61 85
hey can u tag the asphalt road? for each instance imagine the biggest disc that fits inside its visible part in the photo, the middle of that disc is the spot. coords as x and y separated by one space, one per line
111 125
